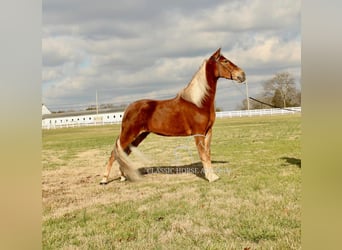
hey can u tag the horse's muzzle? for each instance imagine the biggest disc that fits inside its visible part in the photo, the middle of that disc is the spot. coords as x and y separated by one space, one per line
241 77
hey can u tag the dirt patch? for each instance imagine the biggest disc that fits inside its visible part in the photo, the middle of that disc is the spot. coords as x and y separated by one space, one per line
75 184
65 188
51 158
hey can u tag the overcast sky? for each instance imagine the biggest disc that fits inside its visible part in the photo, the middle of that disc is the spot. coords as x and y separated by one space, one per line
134 49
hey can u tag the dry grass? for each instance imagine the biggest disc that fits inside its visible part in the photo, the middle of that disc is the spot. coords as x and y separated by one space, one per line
255 204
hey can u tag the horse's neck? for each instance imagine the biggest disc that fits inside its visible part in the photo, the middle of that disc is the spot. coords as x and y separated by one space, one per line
209 101
201 89
211 80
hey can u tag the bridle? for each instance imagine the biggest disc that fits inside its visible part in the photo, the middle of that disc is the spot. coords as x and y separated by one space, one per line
220 64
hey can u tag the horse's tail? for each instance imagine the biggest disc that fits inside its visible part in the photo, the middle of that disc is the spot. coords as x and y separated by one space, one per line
126 165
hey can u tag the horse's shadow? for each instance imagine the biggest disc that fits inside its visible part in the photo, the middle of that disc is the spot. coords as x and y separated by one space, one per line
193 168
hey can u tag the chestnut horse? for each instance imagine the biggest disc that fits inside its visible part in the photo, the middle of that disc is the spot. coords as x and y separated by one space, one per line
191 112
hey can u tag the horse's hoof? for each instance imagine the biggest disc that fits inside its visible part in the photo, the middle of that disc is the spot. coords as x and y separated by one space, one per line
104 181
212 177
122 178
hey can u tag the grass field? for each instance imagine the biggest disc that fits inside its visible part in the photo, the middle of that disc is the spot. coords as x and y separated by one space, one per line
254 205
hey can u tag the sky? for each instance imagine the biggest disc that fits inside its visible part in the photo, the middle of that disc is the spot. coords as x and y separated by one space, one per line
126 50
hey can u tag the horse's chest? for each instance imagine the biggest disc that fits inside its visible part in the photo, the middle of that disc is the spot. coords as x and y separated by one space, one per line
202 120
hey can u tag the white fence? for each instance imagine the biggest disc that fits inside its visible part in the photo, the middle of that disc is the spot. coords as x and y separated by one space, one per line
258 112
114 118
82 120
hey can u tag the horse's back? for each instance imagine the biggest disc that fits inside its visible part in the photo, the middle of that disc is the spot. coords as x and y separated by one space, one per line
139 110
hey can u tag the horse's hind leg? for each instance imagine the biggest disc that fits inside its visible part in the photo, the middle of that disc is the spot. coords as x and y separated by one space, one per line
135 144
127 142
108 169
203 147
139 139
111 160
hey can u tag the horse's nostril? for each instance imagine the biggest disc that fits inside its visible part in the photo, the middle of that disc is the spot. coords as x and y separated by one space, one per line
242 77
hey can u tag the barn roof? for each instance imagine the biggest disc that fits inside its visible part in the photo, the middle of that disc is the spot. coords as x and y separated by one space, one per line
45 110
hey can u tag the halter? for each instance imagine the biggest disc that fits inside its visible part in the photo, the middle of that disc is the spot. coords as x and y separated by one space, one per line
218 68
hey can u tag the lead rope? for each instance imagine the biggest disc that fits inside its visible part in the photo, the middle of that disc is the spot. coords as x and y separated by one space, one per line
270 105
267 104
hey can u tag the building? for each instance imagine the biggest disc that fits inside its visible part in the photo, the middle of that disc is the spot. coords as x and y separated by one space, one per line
80 118
45 110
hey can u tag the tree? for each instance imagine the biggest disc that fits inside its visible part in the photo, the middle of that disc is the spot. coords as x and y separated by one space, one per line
253 104
279 91
298 99
277 99
282 87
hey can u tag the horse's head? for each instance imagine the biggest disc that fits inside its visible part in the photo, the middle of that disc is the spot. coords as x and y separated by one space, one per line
227 69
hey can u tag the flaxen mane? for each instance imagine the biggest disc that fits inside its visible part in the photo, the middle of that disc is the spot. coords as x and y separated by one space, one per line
197 89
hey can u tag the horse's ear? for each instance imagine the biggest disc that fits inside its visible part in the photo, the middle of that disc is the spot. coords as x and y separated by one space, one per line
217 54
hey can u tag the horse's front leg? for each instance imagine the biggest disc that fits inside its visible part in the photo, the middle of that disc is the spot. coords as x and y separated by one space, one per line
203 147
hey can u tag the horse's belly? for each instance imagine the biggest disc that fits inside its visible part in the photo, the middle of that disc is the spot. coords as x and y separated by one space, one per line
178 124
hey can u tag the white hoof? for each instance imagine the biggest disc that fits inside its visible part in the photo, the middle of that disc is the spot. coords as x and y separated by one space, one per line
211 177
104 181
122 178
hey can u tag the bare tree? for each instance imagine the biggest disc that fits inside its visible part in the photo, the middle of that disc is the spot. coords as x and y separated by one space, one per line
282 88
279 91
254 104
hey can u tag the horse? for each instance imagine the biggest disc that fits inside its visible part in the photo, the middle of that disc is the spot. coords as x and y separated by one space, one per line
190 113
